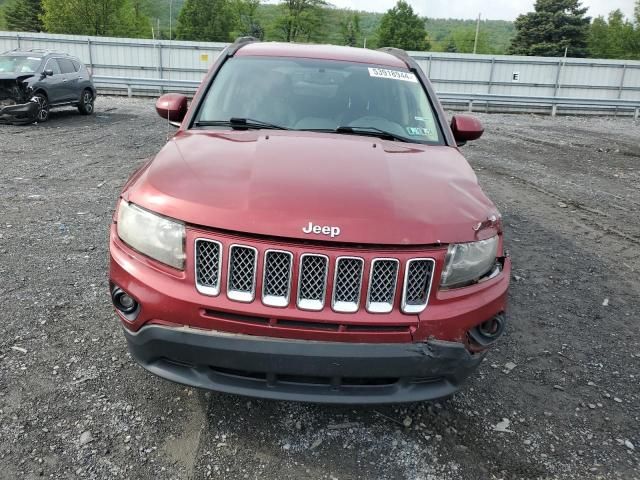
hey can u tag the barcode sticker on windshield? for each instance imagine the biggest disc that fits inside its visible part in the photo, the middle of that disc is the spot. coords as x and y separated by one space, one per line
392 74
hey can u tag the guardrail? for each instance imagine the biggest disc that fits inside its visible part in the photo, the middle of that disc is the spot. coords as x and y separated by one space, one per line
447 97
553 102
158 83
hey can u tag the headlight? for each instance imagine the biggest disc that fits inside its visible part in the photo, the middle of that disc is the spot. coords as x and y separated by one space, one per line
157 237
467 262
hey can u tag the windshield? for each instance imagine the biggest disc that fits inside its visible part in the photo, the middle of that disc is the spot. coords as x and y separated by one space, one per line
311 94
19 64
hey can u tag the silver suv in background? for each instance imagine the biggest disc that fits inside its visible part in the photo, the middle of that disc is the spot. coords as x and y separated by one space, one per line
34 81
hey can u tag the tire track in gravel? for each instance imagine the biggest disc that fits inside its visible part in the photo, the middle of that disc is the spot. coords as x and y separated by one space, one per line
185 447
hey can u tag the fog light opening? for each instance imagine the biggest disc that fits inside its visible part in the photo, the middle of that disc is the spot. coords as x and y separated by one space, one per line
124 302
490 331
490 328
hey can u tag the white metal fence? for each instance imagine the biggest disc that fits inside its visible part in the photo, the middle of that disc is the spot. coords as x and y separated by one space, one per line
465 77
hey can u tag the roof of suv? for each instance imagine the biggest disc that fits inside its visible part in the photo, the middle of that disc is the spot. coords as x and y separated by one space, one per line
322 52
35 52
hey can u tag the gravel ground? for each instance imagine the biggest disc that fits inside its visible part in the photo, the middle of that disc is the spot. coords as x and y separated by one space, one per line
558 398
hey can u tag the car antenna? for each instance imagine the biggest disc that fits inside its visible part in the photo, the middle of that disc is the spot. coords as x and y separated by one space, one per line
168 127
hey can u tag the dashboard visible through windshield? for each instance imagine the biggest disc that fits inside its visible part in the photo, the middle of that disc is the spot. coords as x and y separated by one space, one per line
19 64
321 95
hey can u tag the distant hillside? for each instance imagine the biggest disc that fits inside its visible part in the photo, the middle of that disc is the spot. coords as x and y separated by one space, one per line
159 10
495 35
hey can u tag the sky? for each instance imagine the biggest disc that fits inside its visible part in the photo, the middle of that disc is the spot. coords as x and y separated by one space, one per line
490 9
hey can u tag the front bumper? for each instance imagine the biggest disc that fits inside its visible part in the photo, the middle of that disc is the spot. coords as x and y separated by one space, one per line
312 371
19 114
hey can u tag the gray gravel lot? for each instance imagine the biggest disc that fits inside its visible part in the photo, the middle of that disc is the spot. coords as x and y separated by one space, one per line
559 397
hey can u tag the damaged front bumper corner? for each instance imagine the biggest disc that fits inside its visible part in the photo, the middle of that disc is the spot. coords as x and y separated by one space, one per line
19 114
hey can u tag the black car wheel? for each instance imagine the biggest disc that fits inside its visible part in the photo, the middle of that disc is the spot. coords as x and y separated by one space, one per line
86 103
43 107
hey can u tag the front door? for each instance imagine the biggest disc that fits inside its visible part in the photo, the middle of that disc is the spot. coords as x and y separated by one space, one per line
55 85
71 93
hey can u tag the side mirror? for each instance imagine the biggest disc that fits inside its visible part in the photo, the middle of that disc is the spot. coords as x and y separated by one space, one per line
466 128
173 107
47 73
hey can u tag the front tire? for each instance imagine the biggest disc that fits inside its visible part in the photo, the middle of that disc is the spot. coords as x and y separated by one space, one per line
86 105
43 107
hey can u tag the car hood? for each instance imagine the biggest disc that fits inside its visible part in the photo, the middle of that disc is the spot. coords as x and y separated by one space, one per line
15 76
275 183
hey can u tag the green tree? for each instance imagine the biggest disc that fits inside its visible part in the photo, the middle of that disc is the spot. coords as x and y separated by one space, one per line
615 37
300 20
139 23
350 29
451 46
205 20
599 38
635 43
552 27
246 18
23 15
402 28
94 17
463 39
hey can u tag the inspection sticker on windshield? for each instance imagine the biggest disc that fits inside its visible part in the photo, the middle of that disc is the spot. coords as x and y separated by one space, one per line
392 74
419 131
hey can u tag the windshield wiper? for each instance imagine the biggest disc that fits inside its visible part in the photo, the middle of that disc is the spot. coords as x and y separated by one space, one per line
366 131
373 132
240 124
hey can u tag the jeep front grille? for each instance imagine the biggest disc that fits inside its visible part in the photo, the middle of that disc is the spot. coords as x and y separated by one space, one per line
312 281
278 269
241 282
347 283
208 266
276 278
382 285
417 284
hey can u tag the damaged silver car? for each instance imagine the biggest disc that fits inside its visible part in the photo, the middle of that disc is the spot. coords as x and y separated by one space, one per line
34 81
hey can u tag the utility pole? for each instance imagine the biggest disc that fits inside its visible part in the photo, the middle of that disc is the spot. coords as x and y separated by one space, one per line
475 43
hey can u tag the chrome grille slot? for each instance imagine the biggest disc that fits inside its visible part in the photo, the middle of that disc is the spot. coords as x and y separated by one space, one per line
241 281
382 285
347 283
208 266
276 278
417 284
312 281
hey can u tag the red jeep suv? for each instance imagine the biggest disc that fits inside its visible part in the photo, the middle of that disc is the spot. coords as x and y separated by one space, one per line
311 232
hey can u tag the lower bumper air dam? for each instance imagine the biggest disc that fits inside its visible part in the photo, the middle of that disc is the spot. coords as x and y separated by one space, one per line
309 371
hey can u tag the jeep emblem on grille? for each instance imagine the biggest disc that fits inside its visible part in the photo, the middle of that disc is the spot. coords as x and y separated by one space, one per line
317 229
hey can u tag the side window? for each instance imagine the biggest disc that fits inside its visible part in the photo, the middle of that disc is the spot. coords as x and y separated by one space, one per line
66 65
76 65
52 64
